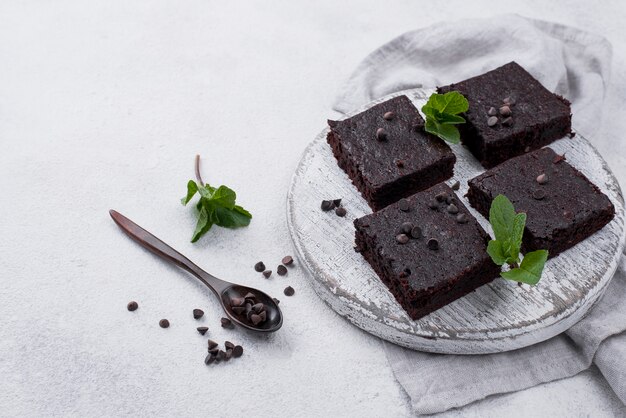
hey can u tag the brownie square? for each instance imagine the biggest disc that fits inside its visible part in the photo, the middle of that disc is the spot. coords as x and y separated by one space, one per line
400 160
420 276
562 206
537 116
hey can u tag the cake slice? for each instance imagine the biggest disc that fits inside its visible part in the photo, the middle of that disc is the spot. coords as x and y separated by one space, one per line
562 206
510 113
387 154
427 249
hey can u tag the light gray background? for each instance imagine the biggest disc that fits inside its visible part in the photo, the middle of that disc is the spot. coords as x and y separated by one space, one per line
103 105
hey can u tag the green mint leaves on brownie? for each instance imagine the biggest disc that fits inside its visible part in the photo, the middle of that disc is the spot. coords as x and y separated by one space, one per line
215 207
442 113
508 227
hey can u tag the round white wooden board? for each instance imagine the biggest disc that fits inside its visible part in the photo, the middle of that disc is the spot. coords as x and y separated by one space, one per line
499 316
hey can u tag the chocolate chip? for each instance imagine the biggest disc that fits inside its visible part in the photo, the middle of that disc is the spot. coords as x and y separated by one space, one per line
164 323
267 274
237 351
452 209
226 323
220 356
403 205
441 197
509 101
492 120
337 202
258 307
202 330
256 319
402 238
341 212
209 359
388 115
381 135
213 351
248 308
433 204
327 205
406 227
505 111
527 149
433 244
449 199
263 316
198 313
542 178
229 345
132 306
239 309
237 301
281 270
416 232
456 185
212 344
287 260
259 266
539 194
492 111
289 291
461 218
250 295
228 355
507 121
276 301
558 159
399 163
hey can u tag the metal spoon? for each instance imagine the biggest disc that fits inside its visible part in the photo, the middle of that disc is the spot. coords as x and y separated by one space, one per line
224 290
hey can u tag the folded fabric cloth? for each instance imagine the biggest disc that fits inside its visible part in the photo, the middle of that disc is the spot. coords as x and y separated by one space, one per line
570 62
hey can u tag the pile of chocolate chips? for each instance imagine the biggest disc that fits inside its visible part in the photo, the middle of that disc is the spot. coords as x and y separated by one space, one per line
217 355
328 205
249 309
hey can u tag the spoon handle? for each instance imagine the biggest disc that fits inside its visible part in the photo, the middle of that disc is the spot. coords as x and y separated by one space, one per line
154 244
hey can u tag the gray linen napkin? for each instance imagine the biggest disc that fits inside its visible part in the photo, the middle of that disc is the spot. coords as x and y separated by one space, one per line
570 62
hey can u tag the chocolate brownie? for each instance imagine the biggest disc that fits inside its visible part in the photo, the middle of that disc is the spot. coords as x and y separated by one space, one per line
428 249
510 113
387 154
562 206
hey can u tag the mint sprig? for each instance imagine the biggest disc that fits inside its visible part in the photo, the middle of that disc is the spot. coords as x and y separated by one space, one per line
442 113
508 227
215 207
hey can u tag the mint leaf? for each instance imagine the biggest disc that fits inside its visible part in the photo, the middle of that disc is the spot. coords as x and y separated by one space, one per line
517 231
508 227
446 132
442 111
216 206
530 269
452 102
229 218
496 252
192 189
447 119
202 226
224 196
501 217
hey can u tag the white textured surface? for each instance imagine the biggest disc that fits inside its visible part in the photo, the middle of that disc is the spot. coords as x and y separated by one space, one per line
104 104
499 316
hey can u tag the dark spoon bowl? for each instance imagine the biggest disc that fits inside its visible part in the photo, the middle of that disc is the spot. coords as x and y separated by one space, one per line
224 290
274 316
